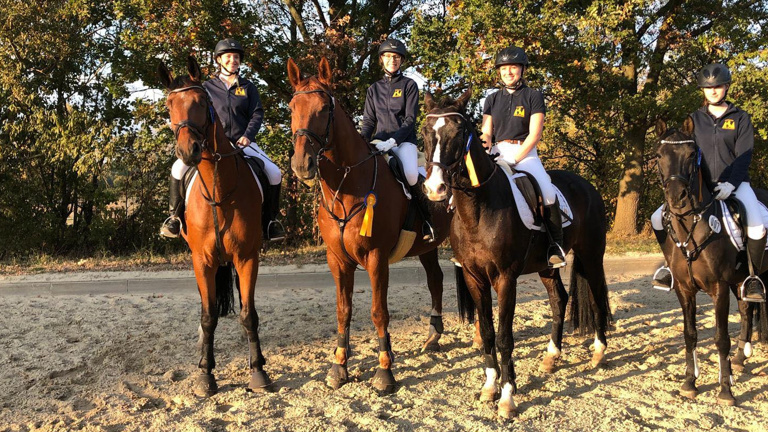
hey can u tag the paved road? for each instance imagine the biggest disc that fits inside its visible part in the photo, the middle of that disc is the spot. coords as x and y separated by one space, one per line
270 278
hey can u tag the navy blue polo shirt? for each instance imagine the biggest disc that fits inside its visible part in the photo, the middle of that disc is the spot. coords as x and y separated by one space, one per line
238 107
726 143
511 112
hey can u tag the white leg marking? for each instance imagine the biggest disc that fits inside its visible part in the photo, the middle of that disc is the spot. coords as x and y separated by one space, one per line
748 349
490 378
599 347
552 349
695 364
506 401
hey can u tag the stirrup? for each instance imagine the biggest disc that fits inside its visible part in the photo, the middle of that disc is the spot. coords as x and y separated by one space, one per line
279 228
743 289
660 283
165 230
428 231
561 255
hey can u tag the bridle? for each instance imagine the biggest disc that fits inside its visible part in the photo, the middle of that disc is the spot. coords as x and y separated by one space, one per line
687 181
314 138
453 171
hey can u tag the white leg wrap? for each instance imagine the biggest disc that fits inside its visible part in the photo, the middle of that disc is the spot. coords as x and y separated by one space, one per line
599 347
552 349
695 364
506 395
748 349
490 378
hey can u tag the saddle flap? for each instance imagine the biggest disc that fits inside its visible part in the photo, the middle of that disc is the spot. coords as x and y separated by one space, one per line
531 192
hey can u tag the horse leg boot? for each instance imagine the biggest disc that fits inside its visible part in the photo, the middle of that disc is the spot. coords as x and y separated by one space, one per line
752 289
384 380
273 229
554 221
662 279
172 226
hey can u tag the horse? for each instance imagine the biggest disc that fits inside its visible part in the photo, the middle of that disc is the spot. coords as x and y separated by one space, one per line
223 222
353 183
493 247
703 258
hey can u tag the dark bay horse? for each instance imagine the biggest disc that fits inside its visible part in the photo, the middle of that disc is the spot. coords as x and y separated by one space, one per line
494 248
710 262
223 220
328 146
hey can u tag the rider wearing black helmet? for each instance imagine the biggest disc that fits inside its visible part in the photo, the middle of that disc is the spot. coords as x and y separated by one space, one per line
725 136
513 121
238 107
389 118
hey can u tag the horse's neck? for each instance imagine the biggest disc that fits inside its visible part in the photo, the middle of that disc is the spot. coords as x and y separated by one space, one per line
226 177
473 204
347 149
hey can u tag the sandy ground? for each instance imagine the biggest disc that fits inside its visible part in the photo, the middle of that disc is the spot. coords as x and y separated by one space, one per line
120 362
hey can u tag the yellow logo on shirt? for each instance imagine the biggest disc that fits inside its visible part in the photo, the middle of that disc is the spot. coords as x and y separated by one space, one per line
519 111
729 124
398 93
239 91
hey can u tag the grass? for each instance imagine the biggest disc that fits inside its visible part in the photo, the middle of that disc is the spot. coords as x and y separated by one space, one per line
149 261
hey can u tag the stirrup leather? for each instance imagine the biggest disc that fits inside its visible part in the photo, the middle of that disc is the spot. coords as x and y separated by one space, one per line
656 279
743 289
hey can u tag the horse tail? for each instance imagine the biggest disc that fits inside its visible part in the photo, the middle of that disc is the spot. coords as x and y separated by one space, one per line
586 317
464 299
225 284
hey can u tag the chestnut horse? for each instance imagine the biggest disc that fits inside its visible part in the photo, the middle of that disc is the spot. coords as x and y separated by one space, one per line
494 247
702 258
223 220
328 146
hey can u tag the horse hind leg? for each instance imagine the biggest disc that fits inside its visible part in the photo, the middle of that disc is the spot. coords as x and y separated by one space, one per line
590 308
429 261
558 299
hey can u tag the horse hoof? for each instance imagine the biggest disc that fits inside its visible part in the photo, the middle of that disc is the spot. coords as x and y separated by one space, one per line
431 347
337 376
689 390
384 381
548 364
260 382
205 385
598 359
726 398
507 410
489 394
737 367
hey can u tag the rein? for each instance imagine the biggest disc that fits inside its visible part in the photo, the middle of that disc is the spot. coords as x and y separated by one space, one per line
216 157
326 145
454 170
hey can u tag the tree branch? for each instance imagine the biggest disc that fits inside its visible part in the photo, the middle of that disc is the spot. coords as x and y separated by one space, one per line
296 15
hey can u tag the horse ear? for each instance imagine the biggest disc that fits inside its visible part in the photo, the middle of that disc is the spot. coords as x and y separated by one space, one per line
661 127
464 99
688 126
194 69
324 73
294 73
429 101
165 75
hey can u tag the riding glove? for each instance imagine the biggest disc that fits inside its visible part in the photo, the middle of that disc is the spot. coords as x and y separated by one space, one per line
384 146
724 190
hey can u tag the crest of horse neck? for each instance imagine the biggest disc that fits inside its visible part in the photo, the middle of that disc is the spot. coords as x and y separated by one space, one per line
348 149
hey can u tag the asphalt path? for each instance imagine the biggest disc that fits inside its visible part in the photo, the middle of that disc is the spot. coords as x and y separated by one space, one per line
404 273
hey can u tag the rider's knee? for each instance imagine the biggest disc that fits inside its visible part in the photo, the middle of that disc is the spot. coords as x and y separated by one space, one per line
656 221
178 169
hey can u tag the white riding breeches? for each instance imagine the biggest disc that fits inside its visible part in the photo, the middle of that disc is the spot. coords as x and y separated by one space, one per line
273 172
530 164
745 194
408 155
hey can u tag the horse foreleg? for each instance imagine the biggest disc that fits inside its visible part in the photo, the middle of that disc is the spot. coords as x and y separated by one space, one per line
505 342
558 300
744 349
344 276
431 265
247 272
687 300
205 384
378 271
723 342
481 295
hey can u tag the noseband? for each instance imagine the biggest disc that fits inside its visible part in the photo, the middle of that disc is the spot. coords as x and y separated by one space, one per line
313 137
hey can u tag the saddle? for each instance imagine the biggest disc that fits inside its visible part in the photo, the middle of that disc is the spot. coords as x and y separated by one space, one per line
531 191
256 165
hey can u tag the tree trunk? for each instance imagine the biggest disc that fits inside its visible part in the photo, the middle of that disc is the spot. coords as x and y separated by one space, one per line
631 185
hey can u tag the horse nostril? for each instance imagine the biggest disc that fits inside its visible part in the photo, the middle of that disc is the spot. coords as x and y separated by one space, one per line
311 164
441 188
196 148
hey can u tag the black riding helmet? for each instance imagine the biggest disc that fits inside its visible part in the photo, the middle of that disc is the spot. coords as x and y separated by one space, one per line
393 46
228 45
511 55
713 75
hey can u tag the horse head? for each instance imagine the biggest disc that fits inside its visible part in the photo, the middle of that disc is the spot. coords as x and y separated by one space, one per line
445 131
679 164
190 109
312 108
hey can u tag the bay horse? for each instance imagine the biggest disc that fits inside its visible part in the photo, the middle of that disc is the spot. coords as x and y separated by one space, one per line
702 258
327 146
493 247
223 221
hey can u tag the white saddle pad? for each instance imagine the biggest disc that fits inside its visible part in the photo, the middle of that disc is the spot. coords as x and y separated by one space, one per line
733 229
522 206
194 179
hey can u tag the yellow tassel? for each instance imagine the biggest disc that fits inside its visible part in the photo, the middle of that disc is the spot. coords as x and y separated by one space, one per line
471 171
367 228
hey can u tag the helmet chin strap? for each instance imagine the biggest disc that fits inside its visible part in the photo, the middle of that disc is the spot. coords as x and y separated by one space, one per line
393 74
517 85
224 71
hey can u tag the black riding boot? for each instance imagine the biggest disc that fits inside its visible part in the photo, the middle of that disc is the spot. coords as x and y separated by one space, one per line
554 222
273 229
662 279
752 289
426 228
172 226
